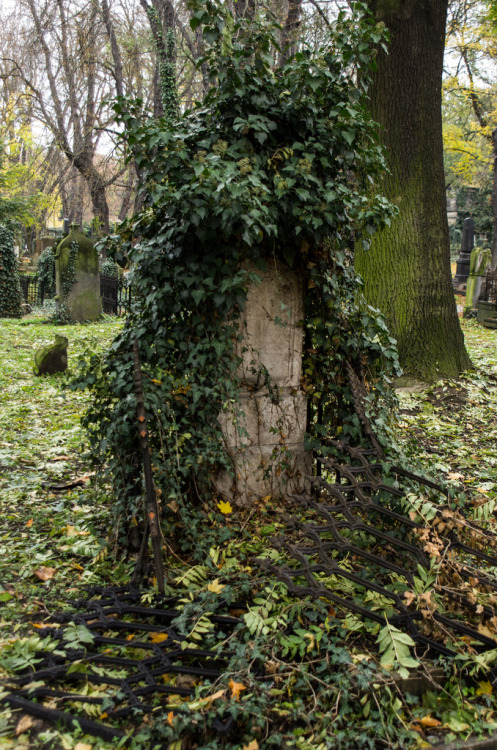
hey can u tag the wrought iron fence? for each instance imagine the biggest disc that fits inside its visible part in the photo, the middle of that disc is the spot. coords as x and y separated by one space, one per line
115 294
33 291
489 287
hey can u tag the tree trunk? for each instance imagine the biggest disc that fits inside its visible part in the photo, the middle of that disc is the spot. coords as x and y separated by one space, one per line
494 201
407 269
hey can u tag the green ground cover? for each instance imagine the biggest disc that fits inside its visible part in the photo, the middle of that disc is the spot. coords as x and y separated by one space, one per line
55 537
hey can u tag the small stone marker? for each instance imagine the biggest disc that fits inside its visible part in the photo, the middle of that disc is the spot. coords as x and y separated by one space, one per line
52 358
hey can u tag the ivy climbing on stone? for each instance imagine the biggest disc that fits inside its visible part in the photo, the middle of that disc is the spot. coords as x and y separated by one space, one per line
274 163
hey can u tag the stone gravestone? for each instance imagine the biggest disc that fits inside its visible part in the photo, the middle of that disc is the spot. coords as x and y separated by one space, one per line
77 276
52 358
467 245
479 262
266 443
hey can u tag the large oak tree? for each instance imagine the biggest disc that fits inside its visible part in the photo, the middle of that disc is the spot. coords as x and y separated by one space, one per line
407 269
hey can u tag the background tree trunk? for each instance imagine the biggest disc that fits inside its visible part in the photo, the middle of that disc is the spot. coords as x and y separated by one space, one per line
407 269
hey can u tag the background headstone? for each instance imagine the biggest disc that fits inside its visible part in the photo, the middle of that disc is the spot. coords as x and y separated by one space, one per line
467 245
83 299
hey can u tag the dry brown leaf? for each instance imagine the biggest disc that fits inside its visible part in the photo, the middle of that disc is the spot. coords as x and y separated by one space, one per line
44 573
170 719
455 476
29 523
236 688
24 723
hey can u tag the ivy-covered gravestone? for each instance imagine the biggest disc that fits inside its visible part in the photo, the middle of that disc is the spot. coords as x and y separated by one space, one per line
10 287
77 277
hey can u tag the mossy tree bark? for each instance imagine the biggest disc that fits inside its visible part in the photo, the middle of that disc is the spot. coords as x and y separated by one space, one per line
407 269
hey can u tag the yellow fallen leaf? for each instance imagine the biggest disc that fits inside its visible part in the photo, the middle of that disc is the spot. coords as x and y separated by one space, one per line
44 573
170 718
159 637
224 507
236 688
429 721
455 475
484 688
29 523
254 745
265 500
215 587
82 746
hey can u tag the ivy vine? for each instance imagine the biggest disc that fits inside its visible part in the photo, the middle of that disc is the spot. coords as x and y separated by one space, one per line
62 316
275 163
46 272
10 286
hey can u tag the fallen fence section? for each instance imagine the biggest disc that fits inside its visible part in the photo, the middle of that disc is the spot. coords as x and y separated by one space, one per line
135 663
352 541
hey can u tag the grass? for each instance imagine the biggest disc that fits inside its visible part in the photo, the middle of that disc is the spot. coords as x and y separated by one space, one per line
54 514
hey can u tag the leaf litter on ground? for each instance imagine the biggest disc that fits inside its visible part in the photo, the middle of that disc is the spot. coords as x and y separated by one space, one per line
54 512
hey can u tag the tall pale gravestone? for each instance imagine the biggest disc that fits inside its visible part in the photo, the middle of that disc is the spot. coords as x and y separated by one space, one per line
266 442
77 276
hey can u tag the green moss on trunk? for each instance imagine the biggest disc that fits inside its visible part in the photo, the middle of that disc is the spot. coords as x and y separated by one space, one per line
407 269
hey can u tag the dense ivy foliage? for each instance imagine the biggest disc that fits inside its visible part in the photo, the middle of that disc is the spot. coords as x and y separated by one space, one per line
10 287
109 268
46 272
276 162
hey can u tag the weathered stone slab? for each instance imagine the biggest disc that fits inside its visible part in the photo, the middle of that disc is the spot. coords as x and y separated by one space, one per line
52 358
266 439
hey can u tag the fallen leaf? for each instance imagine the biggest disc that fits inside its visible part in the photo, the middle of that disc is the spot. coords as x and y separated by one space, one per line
24 723
429 721
455 476
254 745
29 523
215 587
224 507
170 718
484 688
485 631
158 637
82 746
236 688
173 505
44 573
